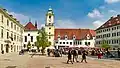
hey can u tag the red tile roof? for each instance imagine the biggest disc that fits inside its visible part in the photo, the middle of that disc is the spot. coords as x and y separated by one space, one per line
79 33
30 26
111 22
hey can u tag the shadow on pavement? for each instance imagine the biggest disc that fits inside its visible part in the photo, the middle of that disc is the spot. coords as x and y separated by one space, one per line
11 66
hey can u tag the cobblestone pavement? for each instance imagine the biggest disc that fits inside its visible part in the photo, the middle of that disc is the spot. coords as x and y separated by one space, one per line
26 61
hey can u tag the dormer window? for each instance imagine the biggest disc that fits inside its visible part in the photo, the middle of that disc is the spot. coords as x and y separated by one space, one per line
118 21
58 37
66 37
88 36
74 37
109 24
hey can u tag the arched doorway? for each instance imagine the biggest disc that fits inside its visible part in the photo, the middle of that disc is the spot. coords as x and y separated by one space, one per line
7 48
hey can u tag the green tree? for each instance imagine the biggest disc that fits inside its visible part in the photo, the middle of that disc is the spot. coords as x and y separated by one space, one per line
105 45
42 40
28 45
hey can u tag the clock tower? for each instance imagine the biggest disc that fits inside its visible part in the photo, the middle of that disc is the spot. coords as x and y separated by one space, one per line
49 25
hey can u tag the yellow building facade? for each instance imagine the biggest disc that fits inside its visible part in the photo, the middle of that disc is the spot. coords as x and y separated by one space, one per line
10 33
49 26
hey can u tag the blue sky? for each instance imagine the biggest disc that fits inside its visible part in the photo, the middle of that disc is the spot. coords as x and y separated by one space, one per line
68 13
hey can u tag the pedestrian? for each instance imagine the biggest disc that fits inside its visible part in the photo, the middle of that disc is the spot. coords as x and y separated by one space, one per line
75 55
84 56
48 52
2 52
99 55
69 57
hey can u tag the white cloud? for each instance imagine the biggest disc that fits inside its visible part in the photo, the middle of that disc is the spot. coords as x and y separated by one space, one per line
102 7
95 14
98 23
65 24
42 25
112 1
22 18
112 11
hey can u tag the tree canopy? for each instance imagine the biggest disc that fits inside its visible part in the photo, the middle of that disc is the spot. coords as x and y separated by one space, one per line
42 40
105 45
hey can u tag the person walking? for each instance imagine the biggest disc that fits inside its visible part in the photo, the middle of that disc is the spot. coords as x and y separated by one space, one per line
69 57
75 55
84 56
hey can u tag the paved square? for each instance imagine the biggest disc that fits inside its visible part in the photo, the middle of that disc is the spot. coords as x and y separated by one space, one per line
26 61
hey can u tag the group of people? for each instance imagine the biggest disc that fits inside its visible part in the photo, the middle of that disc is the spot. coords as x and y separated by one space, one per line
74 52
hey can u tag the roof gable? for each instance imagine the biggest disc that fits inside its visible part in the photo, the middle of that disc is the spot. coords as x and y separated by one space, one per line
30 26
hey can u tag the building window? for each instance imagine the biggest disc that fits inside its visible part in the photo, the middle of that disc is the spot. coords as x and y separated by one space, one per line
66 37
7 35
63 42
11 36
2 18
60 42
1 47
28 34
49 32
58 37
74 37
1 33
31 38
49 37
7 22
24 46
49 28
80 43
25 38
15 27
56 42
66 42
14 37
85 43
49 16
17 38
88 43
70 43
11 25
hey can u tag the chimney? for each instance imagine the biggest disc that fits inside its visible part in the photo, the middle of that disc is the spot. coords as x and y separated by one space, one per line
15 19
18 21
112 17
35 24
118 15
11 15
5 10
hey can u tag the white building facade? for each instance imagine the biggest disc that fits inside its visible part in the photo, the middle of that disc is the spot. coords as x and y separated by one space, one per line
11 32
29 35
109 32
74 38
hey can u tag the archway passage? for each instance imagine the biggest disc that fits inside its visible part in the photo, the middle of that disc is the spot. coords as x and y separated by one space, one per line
7 48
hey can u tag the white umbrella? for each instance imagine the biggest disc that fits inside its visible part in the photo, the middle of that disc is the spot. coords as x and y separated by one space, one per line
51 47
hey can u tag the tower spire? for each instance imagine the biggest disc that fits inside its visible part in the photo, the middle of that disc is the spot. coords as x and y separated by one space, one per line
35 23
